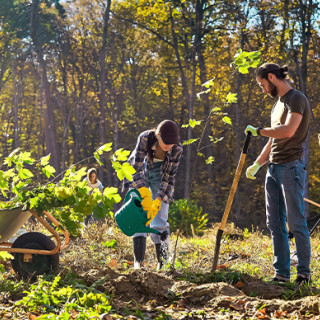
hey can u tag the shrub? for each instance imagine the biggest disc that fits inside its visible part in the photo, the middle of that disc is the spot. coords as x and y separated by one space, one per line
183 213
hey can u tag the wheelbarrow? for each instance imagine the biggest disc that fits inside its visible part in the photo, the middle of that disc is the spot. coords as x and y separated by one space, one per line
131 218
34 253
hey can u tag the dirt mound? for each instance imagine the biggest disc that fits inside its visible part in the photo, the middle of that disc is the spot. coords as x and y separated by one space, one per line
144 286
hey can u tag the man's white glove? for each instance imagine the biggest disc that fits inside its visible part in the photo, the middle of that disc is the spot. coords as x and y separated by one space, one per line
252 170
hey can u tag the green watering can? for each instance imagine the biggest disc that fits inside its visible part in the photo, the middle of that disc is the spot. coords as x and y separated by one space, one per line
131 218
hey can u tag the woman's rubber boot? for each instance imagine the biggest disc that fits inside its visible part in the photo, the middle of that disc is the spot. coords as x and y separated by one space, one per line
162 254
139 249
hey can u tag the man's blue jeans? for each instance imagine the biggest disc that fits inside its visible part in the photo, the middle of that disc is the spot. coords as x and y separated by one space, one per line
284 188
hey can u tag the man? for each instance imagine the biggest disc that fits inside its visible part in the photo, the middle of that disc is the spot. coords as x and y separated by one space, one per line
285 179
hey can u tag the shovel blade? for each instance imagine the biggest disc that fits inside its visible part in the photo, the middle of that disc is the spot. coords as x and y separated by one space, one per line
217 250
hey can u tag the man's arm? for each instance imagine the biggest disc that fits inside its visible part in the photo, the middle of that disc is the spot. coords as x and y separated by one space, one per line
263 157
286 130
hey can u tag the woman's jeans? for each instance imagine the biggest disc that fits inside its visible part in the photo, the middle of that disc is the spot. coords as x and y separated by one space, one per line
284 188
160 222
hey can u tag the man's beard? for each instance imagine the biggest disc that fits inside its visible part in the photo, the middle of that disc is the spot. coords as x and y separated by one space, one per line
273 90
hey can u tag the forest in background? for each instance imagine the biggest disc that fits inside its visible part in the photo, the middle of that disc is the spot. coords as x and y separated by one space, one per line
77 74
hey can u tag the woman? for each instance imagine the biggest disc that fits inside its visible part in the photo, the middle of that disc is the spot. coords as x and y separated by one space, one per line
92 179
92 182
155 158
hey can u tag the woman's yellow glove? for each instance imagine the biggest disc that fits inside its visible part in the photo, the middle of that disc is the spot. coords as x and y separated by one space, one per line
146 198
152 212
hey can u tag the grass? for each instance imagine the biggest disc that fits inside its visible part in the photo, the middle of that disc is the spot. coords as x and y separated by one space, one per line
242 253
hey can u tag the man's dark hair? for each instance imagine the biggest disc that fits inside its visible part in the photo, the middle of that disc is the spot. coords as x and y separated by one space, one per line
266 68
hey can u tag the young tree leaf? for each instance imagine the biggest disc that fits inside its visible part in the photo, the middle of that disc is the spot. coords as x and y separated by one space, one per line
190 141
106 147
209 83
243 70
112 193
232 97
48 171
97 157
210 160
192 123
45 160
227 120
121 154
25 174
26 157
34 202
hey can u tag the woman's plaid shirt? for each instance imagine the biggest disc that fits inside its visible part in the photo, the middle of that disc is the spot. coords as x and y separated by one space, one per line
141 163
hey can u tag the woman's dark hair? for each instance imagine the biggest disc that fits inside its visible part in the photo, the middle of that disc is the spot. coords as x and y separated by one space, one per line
266 68
152 139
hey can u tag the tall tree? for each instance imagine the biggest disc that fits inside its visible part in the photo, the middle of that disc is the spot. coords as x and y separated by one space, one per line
37 36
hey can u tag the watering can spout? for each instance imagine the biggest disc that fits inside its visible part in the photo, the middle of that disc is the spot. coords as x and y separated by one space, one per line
131 218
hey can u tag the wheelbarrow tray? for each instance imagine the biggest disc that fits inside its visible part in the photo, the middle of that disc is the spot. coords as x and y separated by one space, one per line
11 221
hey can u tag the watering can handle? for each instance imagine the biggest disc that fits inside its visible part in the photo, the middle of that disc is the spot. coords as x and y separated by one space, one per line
133 193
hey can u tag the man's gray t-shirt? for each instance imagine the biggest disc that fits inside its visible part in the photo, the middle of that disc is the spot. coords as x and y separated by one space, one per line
289 149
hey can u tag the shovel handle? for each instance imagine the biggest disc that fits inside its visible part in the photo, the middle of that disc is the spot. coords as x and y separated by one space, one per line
230 200
246 143
235 182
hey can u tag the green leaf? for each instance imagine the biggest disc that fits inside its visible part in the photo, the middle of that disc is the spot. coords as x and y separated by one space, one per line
99 212
26 157
5 256
25 174
45 160
49 171
192 123
232 97
12 157
112 193
34 202
216 109
9 174
106 147
243 70
210 160
124 170
97 157
209 83
227 120
110 244
218 140
202 92
121 154
190 141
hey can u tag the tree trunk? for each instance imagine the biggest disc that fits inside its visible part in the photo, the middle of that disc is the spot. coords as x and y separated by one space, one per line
49 117
102 95
18 89
189 103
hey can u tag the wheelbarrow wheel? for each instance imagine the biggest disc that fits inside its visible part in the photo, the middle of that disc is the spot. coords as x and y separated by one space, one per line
40 264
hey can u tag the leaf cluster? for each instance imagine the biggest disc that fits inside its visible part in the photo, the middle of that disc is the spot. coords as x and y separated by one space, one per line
60 298
70 199
183 213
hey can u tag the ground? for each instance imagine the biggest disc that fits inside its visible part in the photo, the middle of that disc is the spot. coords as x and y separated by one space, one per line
186 288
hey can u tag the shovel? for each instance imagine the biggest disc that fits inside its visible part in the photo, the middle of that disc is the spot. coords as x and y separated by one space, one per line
230 200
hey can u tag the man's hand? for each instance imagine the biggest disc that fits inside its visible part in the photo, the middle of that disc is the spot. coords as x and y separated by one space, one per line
251 129
146 198
252 170
152 212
